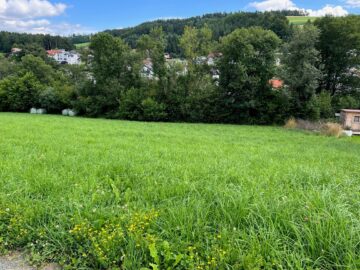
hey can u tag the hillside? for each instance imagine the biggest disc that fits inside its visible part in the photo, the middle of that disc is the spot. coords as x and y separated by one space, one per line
220 23
300 20
100 194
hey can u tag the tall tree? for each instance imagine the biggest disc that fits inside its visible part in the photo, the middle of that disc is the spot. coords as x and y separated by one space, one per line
340 52
246 67
196 42
299 71
115 68
153 46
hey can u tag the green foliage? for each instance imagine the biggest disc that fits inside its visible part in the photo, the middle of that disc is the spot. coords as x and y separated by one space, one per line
135 105
100 194
153 47
299 71
325 105
152 110
345 102
115 68
196 42
246 67
312 110
43 72
339 45
221 24
9 40
235 89
19 93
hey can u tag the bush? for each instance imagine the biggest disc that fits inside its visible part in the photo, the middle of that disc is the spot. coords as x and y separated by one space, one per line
332 129
291 123
130 104
312 110
324 102
348 102
152 110
19 94
328 129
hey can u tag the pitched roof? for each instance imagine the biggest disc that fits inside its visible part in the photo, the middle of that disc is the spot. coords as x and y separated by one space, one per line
54 52
350 110
276 83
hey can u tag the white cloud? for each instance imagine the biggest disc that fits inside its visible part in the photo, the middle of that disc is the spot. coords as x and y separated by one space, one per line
353 3
30 8
42 26
33 16
336 11
269 5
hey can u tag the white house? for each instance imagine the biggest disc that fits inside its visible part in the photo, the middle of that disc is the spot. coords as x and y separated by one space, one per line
64 57
147 70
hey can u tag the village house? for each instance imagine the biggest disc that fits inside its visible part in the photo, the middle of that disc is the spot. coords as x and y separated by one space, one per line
147 70
15 51
350 120
64 57
276 83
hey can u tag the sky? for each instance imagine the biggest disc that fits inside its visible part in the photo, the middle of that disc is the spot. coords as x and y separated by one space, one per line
65 17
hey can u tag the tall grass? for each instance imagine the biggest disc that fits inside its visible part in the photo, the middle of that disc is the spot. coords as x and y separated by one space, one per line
100 194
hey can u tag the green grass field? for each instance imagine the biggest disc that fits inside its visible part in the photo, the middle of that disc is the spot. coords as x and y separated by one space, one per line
82 45
300 20
102 194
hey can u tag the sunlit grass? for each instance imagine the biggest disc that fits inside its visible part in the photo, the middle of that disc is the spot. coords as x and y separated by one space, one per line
82 45
101 194
300 20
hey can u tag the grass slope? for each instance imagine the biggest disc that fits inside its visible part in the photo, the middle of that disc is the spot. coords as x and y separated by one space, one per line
300 20
100 194
82 45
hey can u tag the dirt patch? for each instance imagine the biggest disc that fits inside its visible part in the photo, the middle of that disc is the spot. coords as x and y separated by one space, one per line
16 261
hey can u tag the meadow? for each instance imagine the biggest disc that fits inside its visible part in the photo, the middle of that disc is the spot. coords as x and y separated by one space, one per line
103 194
300 20
82 45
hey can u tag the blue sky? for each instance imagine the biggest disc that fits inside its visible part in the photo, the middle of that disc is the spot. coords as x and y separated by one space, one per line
83 16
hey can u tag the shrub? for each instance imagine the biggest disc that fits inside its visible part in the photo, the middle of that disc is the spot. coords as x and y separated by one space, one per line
152 110
130 104
324 101
328 129
348 102
332 129
312 109
291 123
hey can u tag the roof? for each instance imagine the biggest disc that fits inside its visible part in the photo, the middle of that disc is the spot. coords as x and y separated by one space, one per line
350 111
276 83
54 52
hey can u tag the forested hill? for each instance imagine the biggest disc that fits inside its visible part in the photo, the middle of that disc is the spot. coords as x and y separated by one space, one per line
9 40
220 23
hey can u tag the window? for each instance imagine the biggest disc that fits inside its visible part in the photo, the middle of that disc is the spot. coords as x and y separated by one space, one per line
357 119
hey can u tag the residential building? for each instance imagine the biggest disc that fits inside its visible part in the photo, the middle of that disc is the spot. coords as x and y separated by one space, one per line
350 120
64 57
147 70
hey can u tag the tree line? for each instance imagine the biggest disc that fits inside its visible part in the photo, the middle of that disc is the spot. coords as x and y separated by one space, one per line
221 25
319 68
9 40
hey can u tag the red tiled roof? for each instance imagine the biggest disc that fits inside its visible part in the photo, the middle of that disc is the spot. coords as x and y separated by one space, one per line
53 52
276 83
